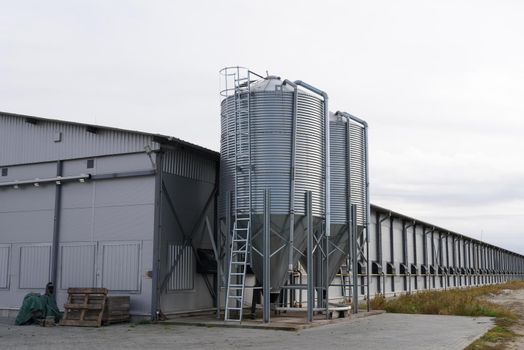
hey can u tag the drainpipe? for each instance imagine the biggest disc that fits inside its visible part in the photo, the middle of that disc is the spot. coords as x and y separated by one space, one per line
293 173
56 226
327 181
327 190
157 237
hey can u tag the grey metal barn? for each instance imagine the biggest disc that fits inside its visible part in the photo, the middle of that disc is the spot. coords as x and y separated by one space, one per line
90 206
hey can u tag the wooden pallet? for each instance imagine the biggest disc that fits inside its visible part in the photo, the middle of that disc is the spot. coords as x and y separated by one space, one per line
85 307
116 310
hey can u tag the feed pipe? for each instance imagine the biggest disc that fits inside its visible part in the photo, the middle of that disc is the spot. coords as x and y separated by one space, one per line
293 173
327 190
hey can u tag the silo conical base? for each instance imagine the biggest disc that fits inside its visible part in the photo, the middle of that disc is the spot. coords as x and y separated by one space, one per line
279 247
338 249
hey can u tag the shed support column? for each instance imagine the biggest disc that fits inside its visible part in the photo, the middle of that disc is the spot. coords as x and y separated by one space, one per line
267 252
155 295
309 253
415 254
56 226
425 255
354 256
378 237
433 260
392 251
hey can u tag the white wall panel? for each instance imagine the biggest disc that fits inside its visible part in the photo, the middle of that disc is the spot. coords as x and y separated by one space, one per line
121 266
182 277
34 266
77 265
5 255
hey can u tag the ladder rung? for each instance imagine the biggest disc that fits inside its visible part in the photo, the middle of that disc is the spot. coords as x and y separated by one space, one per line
237 274
234 308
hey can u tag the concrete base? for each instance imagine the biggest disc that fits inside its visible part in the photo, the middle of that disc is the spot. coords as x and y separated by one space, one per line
290 321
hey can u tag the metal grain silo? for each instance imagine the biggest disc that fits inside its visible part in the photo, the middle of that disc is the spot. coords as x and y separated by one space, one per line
281 130
348 185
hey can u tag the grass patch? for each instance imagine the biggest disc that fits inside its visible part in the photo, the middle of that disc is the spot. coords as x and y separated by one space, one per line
459 302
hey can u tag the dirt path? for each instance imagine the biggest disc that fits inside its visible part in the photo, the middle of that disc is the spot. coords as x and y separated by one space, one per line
514 300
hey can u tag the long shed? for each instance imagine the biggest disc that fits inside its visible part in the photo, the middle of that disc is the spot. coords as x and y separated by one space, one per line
90 206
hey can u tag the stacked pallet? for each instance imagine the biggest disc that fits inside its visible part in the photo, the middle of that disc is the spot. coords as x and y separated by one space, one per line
116 310
84 307
91 307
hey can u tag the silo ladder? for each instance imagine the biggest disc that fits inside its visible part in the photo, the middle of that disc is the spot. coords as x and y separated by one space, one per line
237 270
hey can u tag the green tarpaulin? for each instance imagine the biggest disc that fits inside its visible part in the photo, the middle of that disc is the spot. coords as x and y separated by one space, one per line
36 306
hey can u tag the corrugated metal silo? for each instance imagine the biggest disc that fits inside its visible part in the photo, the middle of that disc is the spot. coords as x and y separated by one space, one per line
276 139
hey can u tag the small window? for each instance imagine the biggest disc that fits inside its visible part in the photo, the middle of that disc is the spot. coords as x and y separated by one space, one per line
90 163
4 171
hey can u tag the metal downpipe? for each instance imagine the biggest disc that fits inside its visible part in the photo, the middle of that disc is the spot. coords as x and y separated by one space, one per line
327 181
327 190
292 176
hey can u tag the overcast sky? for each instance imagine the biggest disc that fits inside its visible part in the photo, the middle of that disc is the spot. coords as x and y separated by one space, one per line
441 84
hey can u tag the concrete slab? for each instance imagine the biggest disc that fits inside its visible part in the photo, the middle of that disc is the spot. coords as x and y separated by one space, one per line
290 321
385 331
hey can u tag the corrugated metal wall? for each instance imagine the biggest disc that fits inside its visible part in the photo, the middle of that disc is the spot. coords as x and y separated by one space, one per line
189 180
183 275
77 265
106 230
23 143
5 251
190 165
451 253
34 266
121 266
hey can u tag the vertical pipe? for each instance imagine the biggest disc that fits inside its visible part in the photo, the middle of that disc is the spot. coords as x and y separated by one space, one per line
216 237
349 217
56 226
327 182
157 236
292 176
327 190
309 253
267 252
368 207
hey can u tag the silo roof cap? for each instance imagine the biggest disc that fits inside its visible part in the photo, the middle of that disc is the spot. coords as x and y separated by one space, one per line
270 83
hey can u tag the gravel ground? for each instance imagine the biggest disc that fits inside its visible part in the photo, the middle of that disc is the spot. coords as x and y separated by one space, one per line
385 331
514 300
